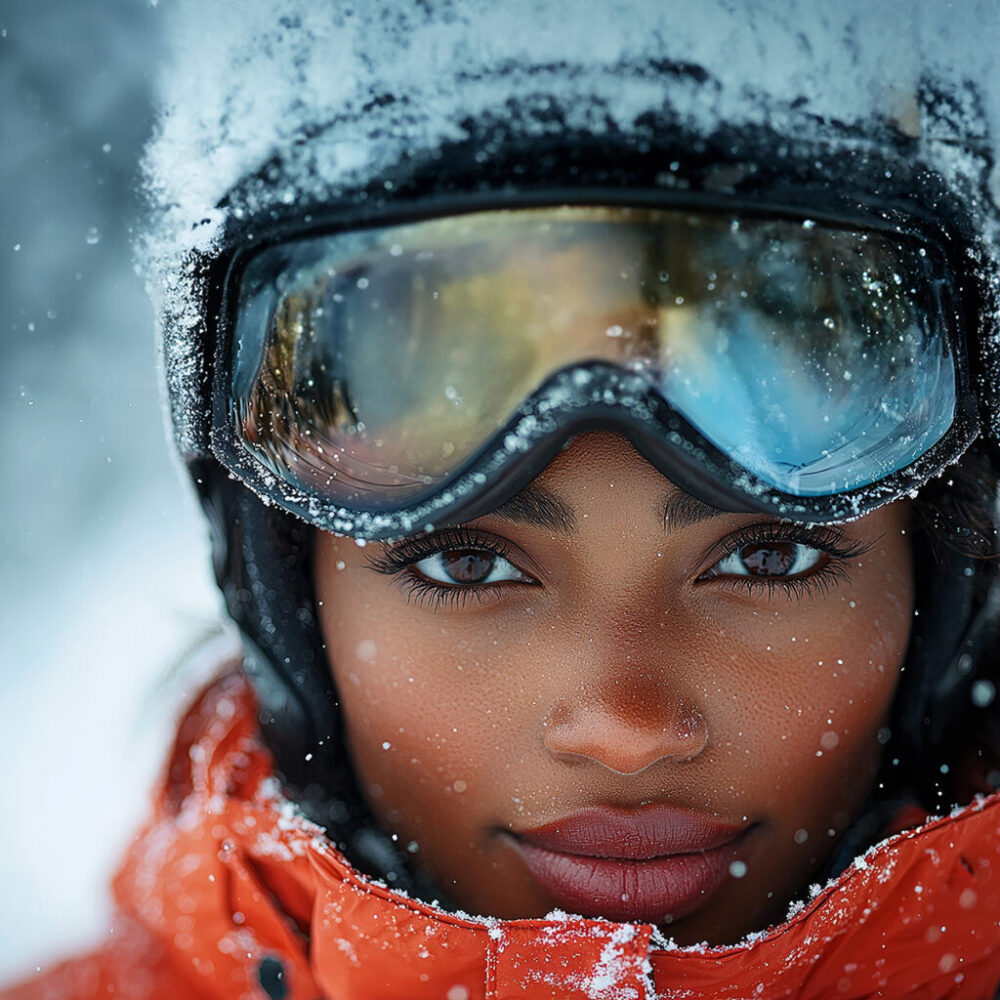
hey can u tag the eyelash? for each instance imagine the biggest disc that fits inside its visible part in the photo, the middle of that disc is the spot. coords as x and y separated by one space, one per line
398 562
825 539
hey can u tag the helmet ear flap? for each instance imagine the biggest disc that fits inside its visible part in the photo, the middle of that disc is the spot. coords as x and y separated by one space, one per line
955 631
262 558
933 721
263 561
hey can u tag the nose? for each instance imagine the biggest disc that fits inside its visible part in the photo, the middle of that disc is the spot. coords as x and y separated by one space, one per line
626 731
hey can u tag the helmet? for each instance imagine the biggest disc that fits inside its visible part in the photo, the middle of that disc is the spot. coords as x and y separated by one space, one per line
293 115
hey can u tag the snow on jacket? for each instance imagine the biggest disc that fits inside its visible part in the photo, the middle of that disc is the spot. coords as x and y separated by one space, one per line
230 893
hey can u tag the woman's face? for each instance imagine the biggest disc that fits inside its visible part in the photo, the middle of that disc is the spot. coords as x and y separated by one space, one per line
608 698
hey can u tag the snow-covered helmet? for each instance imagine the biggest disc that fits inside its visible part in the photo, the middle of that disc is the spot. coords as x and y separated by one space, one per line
298 139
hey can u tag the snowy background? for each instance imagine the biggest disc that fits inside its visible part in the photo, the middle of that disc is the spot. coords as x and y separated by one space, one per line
104 580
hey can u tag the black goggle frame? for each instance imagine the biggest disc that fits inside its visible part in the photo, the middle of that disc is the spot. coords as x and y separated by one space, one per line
589 396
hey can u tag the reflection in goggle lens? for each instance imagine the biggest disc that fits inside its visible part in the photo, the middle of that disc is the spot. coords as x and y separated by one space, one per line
368 366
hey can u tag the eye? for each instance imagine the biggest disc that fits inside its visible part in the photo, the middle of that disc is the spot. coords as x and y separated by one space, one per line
769 559
467 567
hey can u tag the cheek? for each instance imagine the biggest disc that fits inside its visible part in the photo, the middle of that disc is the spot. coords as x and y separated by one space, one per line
425 727
817 686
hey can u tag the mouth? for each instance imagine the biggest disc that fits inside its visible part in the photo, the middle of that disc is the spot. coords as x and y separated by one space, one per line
655 864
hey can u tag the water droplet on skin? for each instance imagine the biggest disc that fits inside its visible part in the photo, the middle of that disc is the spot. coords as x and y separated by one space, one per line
93 236
366 650
801 836
829 740
738 869
386 745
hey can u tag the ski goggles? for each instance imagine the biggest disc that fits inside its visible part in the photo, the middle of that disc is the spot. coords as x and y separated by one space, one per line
386 380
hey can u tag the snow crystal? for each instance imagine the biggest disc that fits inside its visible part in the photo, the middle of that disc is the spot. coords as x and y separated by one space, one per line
611 965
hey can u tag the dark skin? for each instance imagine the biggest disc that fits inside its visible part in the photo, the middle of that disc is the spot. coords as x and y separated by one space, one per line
606 640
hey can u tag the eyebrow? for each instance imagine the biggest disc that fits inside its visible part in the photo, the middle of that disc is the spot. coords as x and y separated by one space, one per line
681 510
536 506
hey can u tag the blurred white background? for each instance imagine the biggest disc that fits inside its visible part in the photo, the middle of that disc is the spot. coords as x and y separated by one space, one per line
104 577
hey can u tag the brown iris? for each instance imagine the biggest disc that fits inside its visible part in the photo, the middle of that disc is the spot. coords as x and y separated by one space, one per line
769 558
467 565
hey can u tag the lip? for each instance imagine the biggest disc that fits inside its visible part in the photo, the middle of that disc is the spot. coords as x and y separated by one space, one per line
655 864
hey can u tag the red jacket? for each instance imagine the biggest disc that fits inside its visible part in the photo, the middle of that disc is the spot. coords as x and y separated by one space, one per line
229 893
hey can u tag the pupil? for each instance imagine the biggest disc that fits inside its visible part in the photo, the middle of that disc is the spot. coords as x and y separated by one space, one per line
772 559
468 566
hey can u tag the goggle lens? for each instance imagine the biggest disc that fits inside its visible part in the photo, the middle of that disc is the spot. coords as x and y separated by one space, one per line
369 366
